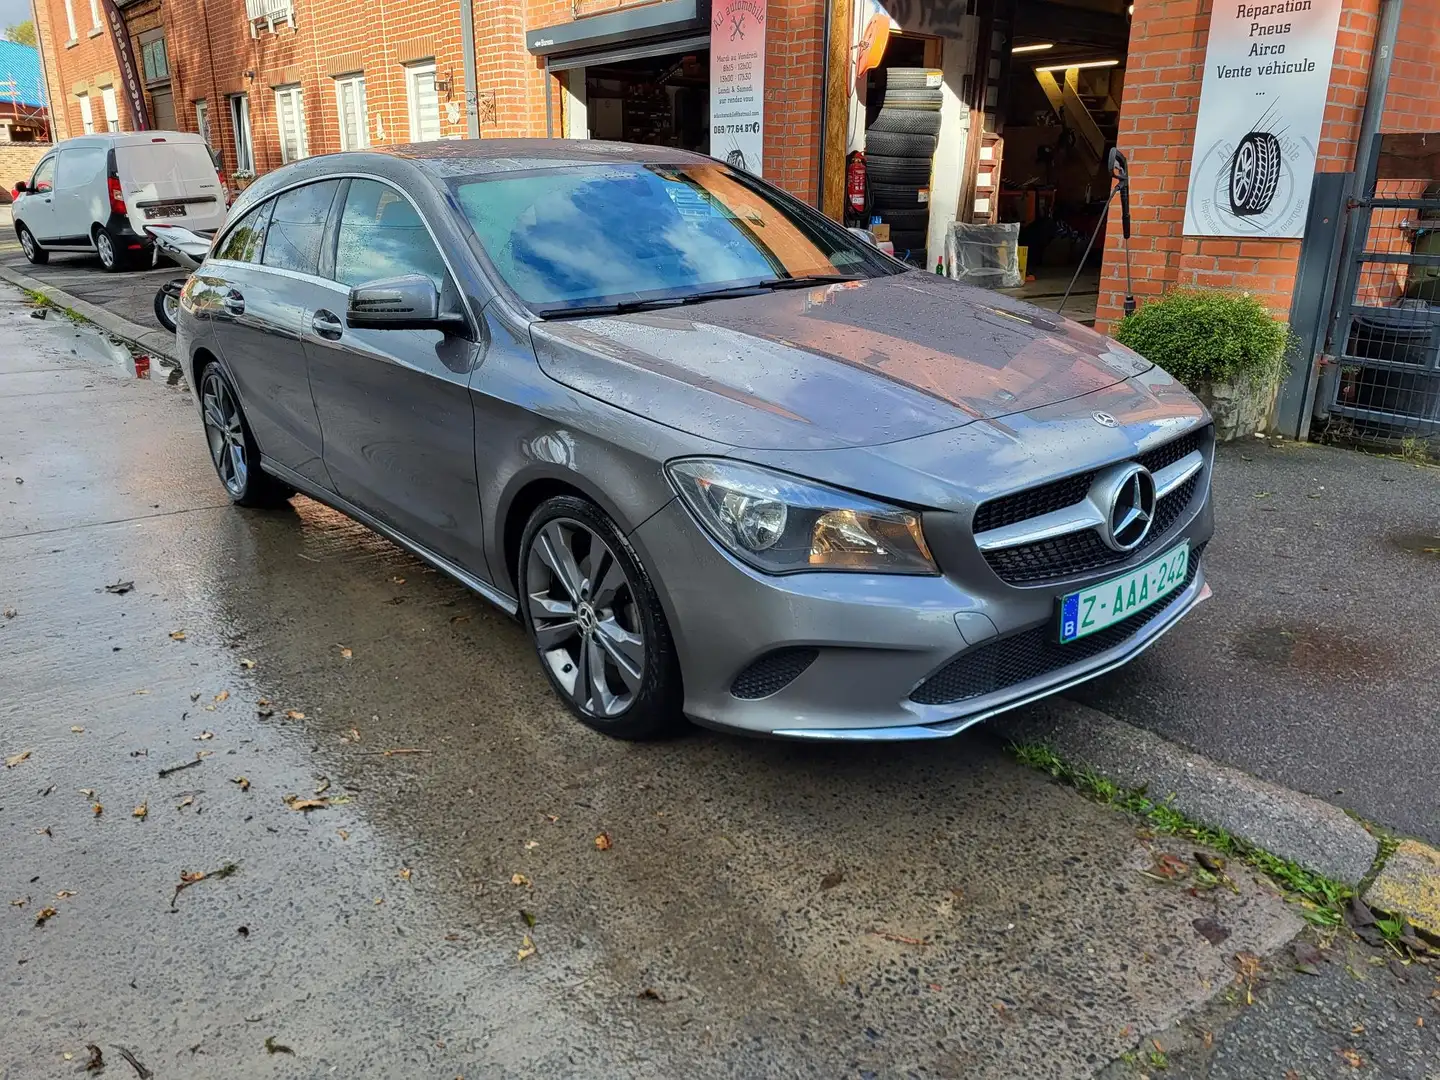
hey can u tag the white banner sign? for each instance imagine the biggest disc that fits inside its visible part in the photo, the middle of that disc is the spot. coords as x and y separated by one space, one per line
737 82
1267 75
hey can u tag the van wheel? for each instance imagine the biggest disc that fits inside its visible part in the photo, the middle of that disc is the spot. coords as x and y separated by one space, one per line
33 251
108 250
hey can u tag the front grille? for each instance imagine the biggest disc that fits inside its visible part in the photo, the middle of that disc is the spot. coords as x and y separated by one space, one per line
772 673
1033 653
1080 553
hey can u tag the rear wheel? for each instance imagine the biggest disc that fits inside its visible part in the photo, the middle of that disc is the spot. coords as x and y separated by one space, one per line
232 446
33 251
108 249
597 623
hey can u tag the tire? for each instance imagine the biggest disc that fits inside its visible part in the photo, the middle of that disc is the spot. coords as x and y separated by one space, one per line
899 144
897 170
912 100
33 251
913 242
1254 173
895 196
907 221
562 576
899 78
109 251
906 121
227 431
166 309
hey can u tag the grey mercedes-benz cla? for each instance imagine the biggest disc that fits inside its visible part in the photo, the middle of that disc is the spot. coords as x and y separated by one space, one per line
723 458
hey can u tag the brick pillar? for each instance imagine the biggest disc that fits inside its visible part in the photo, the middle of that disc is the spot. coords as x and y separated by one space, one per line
1157 132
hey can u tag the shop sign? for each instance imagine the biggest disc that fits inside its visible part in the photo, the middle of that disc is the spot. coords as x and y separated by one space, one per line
737 82
1257 132
128 70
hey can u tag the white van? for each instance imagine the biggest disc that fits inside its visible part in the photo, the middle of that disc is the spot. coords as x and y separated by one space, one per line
98 192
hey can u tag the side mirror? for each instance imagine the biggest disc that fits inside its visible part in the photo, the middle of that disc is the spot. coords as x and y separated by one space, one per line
21 187
411 302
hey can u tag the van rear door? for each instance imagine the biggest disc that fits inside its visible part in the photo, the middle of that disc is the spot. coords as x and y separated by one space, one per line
170 183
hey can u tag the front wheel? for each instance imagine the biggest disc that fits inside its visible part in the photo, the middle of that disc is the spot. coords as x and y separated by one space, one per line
232 446
33 251
167 309
596 622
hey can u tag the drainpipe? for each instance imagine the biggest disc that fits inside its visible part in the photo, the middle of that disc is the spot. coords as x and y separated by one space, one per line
824 97
467 53
1375 90
45 74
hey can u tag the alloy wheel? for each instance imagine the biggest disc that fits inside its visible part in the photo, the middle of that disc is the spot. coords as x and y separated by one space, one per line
105 248
225 433
172 308
586 623
27 243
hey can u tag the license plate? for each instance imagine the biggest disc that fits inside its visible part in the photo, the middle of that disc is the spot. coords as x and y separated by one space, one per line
1089 610
165 210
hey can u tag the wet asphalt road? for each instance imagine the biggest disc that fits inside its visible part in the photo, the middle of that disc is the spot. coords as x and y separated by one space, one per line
764 909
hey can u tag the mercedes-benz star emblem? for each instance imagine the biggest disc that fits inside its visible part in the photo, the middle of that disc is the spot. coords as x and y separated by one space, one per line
1104 419
1132 509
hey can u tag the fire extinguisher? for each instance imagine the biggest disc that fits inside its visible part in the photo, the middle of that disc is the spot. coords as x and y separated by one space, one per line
855 183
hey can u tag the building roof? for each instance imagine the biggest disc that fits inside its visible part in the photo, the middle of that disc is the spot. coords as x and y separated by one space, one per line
21 64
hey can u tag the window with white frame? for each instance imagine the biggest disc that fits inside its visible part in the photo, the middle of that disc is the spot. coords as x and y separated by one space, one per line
240 128
290 119
350 101
70 18
87 114
95 14
202 121
424 102
112 108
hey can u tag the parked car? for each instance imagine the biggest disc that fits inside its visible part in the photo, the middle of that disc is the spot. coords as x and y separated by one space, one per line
98 192
723 458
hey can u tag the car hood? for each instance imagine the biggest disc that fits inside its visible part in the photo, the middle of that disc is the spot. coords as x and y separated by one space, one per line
848 364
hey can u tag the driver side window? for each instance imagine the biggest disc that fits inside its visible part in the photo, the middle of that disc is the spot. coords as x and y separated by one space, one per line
44 178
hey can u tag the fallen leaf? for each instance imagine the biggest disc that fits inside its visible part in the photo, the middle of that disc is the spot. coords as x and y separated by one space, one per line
323 786
141 811
46 914
1247 970
76 730
16 759
895 937
1212 863
186 801
204 736
264 712
527 917
243 781
64 894
209 708
531 845
603 842
459 618
1262 494
190 877
1170 866
527 948
1210 930
89 793
120 588
97 1061
223 695
1351 1058
140 1070
398 580
1419 1021
273 1047
1306 953
830 880
345 653
343 834
520 879
97 809
177 635
202 754
552 818
650 994
294 802
262 702
10 613
248 665
1359 914
141 693
45 831
294 714
195 696
21 902
404 875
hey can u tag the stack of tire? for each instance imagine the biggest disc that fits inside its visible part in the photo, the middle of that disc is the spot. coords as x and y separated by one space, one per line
899 146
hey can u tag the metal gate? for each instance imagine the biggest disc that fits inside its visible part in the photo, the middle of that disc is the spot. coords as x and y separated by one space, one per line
1381 383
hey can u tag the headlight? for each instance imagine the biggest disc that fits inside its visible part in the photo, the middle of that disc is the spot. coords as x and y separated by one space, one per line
780 523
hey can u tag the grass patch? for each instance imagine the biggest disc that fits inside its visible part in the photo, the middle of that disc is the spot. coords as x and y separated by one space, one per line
39 299
1321 900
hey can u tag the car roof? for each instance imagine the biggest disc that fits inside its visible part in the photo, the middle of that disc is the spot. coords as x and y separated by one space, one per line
129 138
469 157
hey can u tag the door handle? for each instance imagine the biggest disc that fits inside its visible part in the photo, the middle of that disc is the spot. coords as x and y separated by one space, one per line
327 324
234 302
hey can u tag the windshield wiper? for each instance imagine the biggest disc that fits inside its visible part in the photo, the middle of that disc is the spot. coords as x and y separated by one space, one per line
805 281
624 307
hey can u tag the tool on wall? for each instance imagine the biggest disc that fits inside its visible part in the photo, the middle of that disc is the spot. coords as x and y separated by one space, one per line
1120 185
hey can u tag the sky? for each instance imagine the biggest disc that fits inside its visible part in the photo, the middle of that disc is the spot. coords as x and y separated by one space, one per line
13 11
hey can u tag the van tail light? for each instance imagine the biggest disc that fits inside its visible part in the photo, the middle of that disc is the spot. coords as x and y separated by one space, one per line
117 197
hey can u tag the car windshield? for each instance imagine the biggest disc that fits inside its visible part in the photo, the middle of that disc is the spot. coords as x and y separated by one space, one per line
587 237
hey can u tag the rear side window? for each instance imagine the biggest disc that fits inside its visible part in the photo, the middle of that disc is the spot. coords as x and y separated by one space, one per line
246 240
81 167
382 236
298 227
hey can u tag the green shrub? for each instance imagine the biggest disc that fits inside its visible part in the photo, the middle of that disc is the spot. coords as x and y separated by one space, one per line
1206 336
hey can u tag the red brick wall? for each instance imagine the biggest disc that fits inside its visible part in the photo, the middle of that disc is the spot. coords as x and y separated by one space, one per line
90 60
1157 129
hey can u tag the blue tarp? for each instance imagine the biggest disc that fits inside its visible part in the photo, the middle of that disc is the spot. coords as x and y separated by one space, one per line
21 63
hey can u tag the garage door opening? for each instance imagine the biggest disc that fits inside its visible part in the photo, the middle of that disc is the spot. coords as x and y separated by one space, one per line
659 100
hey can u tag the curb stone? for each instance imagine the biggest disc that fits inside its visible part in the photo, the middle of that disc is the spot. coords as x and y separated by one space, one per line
1409 885
1306 831
157 343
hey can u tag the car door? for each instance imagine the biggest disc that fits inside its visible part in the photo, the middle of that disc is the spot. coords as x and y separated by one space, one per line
81 176
394 407
257 309
37 208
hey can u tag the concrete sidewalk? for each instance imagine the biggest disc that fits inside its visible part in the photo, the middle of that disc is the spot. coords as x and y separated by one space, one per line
1317 663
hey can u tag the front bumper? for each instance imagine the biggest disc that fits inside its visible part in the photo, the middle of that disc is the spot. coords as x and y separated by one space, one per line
874 638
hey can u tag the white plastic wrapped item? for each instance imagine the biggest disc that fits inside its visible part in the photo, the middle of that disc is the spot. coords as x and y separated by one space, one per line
984 255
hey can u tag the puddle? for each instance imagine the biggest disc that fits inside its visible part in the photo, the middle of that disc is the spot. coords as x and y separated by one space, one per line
87 342
1313 649
1416 543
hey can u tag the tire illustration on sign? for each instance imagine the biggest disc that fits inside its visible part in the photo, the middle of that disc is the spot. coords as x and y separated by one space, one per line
1254 173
